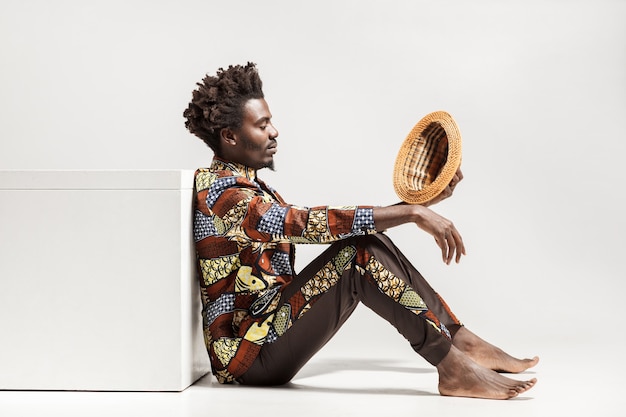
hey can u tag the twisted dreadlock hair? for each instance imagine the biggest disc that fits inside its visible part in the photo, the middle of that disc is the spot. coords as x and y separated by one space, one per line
218 102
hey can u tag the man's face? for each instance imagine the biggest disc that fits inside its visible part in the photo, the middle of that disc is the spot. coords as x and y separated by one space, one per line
255 141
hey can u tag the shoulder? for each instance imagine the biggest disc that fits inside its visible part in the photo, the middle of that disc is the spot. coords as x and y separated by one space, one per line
223 188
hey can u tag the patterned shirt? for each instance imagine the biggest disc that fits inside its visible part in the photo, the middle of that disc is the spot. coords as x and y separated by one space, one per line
244 235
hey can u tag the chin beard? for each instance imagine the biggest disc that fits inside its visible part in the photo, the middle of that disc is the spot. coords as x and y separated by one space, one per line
270 166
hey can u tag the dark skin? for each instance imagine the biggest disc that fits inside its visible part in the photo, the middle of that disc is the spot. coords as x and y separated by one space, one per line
254 143
472 366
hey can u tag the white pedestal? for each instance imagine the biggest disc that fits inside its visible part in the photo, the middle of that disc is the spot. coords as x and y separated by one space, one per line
97 281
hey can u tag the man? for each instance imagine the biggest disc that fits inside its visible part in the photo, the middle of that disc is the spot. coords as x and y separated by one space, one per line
262 320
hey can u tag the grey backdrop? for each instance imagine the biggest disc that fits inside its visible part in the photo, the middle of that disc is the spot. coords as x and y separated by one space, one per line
538 89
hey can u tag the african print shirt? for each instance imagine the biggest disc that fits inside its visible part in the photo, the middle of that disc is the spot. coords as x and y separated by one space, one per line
244 234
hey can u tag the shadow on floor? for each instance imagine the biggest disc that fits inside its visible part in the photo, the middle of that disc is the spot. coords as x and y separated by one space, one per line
326 367
329 366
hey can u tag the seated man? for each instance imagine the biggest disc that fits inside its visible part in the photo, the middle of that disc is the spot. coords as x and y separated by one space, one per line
262 320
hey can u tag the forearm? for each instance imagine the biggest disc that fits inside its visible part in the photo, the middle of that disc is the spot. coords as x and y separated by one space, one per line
392 216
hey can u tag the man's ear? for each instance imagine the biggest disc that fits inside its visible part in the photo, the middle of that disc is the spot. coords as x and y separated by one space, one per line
227 136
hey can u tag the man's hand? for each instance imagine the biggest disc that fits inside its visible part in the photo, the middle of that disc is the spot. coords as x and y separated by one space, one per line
445 234
447 192
443 230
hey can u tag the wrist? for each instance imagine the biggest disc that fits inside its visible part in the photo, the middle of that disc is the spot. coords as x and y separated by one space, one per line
417 212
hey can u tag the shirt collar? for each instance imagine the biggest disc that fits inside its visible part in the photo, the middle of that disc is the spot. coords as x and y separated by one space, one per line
237 168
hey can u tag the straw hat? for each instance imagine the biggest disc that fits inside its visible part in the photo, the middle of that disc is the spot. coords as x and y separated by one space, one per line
428 158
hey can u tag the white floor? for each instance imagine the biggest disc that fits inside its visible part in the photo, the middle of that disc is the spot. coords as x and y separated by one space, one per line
574 379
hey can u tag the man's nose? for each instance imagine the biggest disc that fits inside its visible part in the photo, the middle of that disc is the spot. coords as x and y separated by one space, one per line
273 131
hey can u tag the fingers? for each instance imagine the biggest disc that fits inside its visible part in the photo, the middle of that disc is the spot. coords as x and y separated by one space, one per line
458 176
446 193
448 249
460 246
451 244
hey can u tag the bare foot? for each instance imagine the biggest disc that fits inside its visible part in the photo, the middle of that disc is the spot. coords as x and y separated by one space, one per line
488 355
459 376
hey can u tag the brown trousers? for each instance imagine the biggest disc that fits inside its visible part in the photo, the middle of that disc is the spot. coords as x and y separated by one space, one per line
380 277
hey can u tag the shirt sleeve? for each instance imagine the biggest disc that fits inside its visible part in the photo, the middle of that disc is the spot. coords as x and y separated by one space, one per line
234 207
320 224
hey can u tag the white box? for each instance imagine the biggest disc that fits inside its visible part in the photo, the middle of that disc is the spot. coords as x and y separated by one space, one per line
97 281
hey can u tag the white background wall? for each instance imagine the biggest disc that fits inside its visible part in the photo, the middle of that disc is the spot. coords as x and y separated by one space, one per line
538 89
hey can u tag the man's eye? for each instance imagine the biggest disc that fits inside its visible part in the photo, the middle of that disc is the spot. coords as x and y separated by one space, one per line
263 127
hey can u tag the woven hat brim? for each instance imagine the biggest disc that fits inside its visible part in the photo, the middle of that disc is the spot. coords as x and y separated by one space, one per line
428 158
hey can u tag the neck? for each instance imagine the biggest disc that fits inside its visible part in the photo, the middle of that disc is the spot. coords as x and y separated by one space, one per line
242 169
